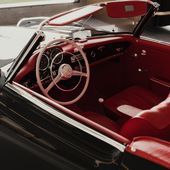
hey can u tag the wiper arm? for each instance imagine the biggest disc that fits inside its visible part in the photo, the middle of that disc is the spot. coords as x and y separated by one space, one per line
85 22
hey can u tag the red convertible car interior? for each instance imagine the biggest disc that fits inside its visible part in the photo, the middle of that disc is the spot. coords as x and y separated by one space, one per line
117 83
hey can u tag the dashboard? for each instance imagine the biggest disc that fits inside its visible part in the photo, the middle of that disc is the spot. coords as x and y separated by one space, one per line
59 54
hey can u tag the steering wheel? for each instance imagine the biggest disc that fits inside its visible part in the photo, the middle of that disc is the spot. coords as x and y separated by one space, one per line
65 72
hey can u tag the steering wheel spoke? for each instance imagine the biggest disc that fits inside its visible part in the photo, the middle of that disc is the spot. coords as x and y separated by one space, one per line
55 81
79 73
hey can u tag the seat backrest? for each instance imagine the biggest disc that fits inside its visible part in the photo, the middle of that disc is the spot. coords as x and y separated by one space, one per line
154 122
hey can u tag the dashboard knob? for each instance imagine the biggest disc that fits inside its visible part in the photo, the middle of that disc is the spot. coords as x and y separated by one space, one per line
93 54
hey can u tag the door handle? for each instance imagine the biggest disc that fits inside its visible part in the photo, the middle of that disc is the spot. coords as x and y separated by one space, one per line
134 55
142 71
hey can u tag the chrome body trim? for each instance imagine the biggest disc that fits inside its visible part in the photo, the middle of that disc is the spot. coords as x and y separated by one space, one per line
69 120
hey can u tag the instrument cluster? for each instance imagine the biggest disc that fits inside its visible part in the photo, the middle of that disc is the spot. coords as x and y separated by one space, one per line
51 55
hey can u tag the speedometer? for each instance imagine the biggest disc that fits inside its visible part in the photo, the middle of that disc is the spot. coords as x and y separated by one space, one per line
44 63
56 52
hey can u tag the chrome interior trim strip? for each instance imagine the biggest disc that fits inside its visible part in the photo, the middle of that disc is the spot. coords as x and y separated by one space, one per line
156 81
69 120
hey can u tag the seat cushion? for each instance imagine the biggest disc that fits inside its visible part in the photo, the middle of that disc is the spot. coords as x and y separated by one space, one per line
102 120
159 115
130 102
154 122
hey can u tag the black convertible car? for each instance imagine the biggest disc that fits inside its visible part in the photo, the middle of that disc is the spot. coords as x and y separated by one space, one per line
79 95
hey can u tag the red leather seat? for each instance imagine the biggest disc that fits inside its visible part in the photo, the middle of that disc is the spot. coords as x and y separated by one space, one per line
153 122
129 103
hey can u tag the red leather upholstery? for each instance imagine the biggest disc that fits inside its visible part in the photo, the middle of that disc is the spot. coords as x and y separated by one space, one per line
154 122
129 103
102 120
152 149
138 125
159 115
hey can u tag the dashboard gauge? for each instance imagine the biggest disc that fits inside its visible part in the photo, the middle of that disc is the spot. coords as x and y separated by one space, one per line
44 63
47 52
93 54
59 57
45 73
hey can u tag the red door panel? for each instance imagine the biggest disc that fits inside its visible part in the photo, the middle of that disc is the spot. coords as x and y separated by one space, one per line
147 153
143 61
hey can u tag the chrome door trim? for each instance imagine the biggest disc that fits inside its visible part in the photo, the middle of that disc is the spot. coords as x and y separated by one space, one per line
65 118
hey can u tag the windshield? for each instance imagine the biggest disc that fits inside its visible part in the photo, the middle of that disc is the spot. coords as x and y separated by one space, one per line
99 24
107 25
104 18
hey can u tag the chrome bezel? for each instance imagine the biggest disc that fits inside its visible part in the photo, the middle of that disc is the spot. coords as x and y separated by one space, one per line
47 64
51 55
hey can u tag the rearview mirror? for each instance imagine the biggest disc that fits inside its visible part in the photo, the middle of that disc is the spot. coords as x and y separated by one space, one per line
124 9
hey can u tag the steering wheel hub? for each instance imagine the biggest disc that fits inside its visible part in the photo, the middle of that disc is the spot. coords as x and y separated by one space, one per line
66 71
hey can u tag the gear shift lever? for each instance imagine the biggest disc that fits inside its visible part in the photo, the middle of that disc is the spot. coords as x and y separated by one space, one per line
101 100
